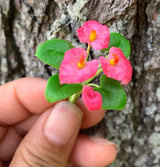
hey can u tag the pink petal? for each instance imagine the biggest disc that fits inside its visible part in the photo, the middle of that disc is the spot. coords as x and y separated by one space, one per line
102 37
69 70
91 98
122 71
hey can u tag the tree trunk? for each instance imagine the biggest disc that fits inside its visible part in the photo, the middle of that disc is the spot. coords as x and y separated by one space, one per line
26 23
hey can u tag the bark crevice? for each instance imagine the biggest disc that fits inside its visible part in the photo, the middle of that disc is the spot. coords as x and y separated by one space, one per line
13 54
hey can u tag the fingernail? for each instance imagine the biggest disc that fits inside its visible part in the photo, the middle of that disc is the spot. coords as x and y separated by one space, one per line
63 121
103 142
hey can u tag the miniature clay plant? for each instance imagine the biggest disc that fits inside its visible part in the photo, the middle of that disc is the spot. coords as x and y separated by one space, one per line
76 72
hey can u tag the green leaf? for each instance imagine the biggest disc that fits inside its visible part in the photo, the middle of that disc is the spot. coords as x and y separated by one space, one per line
55 91
113 94
52 51
117 40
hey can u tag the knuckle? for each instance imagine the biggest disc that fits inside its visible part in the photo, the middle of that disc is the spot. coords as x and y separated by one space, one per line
41 156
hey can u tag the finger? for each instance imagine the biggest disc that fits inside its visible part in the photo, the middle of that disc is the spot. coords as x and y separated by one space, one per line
90 118
12 136
93 152
23 127
51 139
20 98
9 144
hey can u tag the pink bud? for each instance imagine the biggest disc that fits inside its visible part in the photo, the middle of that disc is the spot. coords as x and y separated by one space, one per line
91 98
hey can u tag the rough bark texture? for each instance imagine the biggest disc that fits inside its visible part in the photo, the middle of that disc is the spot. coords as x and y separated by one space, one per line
25 23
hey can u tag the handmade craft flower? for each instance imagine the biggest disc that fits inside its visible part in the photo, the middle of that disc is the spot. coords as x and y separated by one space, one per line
91 98
117 66
75 68
95 34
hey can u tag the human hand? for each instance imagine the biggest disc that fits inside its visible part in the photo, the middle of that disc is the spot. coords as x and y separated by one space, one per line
36 133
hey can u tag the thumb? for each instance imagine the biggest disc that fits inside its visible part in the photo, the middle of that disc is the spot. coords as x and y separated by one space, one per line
50 141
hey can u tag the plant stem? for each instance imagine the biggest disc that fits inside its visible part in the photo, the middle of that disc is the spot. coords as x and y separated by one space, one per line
94 85
89 80
74 97
88 50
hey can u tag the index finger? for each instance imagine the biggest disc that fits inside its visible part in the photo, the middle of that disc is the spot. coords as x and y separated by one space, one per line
21 98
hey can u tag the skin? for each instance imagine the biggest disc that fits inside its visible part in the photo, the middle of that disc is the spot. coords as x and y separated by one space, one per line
27 139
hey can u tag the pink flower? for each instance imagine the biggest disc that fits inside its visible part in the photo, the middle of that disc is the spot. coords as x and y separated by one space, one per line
91 98
117 66
95 34
75 69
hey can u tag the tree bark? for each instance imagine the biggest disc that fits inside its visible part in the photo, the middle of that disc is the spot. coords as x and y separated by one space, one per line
26 23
